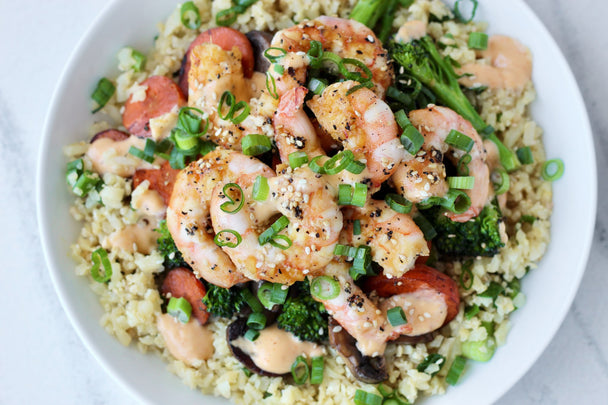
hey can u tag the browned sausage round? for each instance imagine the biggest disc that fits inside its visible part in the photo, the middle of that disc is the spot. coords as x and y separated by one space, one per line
181 282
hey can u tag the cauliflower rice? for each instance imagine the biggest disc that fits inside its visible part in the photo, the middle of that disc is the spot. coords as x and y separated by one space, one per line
131 300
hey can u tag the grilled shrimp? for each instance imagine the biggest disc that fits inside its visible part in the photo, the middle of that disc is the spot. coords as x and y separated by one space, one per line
214 71
346 38
188 213
423 175
394 238
315 222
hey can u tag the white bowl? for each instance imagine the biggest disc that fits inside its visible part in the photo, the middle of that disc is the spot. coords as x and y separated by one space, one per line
549 289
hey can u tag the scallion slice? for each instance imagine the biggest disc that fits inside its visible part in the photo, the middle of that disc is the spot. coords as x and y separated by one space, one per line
180 309
284 245
222 241
425 226
227 17
228 100
530 219
478 40
299 370
190 16
260 188
357 227
396 94
338 162
347 195
317 85
251 300
190 120
501 181
493 291
256 320
317 368
345 250
469 313
278 294
355 167
274 58
479 351
255 144
412 140
459 15
456 370
103 93
466 278
252 335
461 182
271 86
86 182
367 398
396 316
401 118
297 159
265 293
553 169
398 203
433 358
463 165
315 167
525 155
459 140
237 203
100 258
456 201
324 288
273 231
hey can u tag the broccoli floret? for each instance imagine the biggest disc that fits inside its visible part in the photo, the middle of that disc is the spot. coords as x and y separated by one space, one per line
223 302
303 316
421 60
478 237
166 247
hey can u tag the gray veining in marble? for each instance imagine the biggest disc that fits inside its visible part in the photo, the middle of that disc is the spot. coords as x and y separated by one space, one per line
42 359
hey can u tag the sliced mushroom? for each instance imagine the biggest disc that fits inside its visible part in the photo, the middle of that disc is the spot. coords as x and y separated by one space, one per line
113 134
371 370
260 41
235 330
412 340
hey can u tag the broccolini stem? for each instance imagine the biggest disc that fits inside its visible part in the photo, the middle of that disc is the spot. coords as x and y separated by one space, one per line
369 11
386 24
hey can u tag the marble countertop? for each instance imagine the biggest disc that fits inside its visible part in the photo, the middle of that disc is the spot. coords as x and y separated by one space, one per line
42 359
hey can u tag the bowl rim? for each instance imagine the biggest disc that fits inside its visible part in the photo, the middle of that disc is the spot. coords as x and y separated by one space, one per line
111 368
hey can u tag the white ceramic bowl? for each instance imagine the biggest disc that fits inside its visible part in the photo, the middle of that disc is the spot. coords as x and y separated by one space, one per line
549 289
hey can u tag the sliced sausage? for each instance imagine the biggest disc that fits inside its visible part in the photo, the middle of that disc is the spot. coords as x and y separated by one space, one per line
113 134
161 180
162 95
226 38
181 282
420 277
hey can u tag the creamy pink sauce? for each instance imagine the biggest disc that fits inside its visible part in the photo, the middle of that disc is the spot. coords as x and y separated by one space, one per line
510 65
110 156
275 350
190 342
139 237
411 30
149 202
425 311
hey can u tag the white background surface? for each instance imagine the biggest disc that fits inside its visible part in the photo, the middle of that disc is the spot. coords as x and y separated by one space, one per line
41 358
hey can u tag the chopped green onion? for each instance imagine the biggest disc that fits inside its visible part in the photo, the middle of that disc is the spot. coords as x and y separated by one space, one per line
274 58
456 370
86 182
103 93
227 17
139 59
355 167
273 231
256 320
456 201
76 165
461 182
226 242
362 259
493 291
244 109
401 97
299 370
515 287
239 201
463 165
278 293
433 358
401 118
317 86
251 300
246 371
315 54
349 196
398 203
425 226
260 188
367 398
314 166
179 308
255 144
528 218
252 335
228 99
489 327
147 154
316 370
501 181
412 140
478 40
525 155
396 316
479 351
471 312
297 159
345 250
279 69
324 288
459 140
553 169
265 294
100 258
183 141
338 162
190 15
386 392
357 227
367 84
467 273
508 159
460 17
283 246
190 119
354 75
272 91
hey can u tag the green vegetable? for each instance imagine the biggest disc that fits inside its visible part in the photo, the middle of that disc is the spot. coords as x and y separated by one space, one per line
172 257
433 358
180 309
478 237
303 316
479 351
223 302
421 60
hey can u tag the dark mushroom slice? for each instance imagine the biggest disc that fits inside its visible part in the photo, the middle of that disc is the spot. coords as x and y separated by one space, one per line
371 370
412 340
238 329
113 134
260 41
